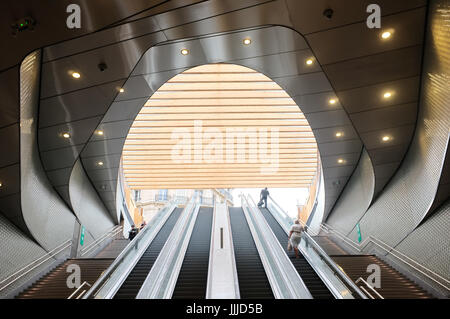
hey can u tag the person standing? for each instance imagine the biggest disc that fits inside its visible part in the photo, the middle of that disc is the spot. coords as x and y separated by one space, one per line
132 233
295 235
263 197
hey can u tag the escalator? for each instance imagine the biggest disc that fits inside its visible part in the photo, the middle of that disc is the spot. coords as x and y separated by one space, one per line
137 276
193 276
312 281
253 282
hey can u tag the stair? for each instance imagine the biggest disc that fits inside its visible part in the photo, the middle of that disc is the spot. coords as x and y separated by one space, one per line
329 246
53 285
193 277
394 285
113 249
253 282
136 278
312 281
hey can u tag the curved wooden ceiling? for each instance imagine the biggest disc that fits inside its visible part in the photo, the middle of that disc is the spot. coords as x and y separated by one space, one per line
182 136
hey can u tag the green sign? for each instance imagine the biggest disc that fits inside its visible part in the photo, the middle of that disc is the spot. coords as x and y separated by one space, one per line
82 236
359 233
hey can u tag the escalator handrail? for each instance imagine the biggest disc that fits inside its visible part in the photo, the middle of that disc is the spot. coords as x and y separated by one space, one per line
103 279
161 280
289 284
329 261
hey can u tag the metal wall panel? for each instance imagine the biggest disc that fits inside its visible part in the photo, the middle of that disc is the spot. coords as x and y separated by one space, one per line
401 207
356 197
17 251
430 243
48 219
86 204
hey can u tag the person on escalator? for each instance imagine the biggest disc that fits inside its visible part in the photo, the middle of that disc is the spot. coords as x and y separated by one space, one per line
263 197
132 233
295 235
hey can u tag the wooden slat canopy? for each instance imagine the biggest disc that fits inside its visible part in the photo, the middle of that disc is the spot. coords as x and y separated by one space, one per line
220 126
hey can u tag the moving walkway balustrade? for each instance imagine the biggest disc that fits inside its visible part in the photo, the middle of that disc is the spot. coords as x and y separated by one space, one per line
176 256
169 258
393 285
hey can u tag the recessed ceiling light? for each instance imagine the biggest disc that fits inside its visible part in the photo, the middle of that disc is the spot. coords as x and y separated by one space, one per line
66 135
76 75
386 34
99 132
100 163
339 134
386 138
332 101
387 95
121 90
1 184
184 51
310 61
341 161
247 41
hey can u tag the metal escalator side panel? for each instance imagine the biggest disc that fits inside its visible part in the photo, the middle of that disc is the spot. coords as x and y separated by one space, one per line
223 280
113 277
192 279
136 277
316 284
253 281
161 280
285 281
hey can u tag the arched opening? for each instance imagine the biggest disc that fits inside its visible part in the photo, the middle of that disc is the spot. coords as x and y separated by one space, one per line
220 128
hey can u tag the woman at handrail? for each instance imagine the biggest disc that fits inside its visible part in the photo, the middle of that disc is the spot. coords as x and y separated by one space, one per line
295 235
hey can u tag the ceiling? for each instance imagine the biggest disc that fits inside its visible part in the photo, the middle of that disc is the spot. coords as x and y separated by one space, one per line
142 52
219 126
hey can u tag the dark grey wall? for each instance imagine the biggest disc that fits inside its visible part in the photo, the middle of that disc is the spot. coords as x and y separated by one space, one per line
10 155
396 213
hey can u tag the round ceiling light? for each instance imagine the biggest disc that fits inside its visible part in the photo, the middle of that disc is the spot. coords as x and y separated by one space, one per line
76 75
184 51
310 61
386 35
387 95
100 163
339 134
247 41
66 135
386 138
332 101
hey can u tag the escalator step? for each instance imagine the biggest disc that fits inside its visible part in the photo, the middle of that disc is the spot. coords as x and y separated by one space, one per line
193 275
310 278
136 278
253 282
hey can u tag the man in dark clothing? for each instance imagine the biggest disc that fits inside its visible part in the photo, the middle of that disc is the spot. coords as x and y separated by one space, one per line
132 233
263 197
